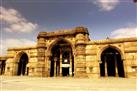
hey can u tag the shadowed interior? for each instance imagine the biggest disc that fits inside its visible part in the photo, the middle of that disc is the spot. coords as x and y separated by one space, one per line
111 63
22 64
61 55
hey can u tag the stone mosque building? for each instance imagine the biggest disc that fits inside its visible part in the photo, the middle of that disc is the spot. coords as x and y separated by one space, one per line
72 53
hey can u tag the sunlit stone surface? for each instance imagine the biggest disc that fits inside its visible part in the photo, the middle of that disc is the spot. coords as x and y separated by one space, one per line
71 53
67 84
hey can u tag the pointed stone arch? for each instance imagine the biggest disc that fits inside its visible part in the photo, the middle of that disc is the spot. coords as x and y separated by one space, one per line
22 59
111 62
61 50
57 40
111 46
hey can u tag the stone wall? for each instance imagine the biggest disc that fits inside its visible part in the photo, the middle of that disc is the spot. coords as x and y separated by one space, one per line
130 50
14 55
86 52
127 48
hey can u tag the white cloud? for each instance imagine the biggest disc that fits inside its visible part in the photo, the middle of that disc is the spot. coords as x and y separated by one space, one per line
124 32
14 21
10 43
107 5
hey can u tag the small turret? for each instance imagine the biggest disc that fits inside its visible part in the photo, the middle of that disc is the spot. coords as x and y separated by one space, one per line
82 34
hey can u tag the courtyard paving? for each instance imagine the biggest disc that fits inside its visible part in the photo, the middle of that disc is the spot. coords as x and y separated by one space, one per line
67 84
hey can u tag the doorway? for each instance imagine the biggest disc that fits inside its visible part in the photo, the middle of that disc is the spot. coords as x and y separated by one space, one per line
65 71
22 65
111 63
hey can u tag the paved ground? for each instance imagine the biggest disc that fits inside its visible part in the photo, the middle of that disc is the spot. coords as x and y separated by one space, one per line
67 84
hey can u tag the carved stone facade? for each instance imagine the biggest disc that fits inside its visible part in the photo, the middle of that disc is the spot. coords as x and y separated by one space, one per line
72 53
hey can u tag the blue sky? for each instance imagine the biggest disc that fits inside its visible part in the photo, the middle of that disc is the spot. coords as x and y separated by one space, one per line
24 19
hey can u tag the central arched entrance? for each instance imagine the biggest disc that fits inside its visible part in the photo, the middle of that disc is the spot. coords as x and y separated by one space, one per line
111 63
62 60
23 61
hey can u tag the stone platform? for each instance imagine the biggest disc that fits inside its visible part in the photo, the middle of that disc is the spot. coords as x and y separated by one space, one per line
67 84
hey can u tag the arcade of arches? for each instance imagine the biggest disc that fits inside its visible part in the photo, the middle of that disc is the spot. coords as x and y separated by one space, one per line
71 53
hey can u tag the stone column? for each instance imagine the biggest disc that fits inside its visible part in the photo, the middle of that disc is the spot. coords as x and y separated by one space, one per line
80 60
48 64
106 71
60 63
41 47
55 67
116 66
105 65
70 68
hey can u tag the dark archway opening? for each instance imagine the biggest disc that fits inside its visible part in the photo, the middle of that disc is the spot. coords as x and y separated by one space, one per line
2 66
62 60
65 71
22 70
111 63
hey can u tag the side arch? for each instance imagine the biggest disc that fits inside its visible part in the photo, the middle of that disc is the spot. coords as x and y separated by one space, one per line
18 55
111 62
22 60
110 46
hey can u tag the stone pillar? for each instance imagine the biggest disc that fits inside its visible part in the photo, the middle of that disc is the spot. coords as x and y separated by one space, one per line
60 63
70 68
41 47
80 67
105 65
106 70
55 68
80 61
48 64
116 65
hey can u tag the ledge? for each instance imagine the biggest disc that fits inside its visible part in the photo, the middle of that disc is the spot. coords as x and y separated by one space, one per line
22 48
111 41
3 58
74 31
